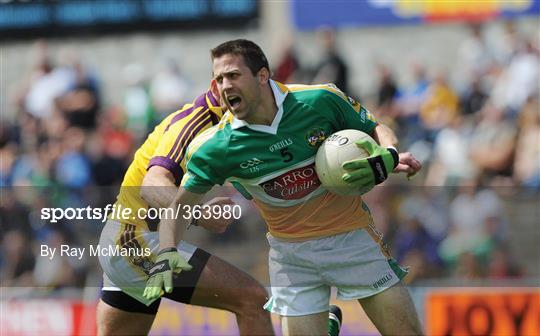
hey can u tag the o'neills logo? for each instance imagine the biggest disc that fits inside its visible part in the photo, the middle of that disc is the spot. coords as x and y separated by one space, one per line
338 139
294 184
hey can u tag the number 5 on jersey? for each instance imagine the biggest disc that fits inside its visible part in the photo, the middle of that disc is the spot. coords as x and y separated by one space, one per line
287 156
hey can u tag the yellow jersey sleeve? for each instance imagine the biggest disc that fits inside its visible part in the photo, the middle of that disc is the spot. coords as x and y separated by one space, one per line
166 147
181 129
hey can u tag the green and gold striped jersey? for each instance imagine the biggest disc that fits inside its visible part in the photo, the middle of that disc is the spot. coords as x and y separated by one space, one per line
274 164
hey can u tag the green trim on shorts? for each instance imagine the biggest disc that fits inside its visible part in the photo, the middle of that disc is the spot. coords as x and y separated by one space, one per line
269 306
398 270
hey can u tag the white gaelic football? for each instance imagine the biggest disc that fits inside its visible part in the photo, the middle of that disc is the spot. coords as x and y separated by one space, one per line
334 151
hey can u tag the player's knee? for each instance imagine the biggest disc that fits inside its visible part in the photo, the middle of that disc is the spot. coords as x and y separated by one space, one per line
260 295
252 300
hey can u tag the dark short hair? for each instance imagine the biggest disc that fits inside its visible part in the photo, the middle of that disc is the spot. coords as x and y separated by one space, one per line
253 55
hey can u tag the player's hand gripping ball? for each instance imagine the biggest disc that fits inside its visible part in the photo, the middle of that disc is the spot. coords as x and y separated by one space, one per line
350 162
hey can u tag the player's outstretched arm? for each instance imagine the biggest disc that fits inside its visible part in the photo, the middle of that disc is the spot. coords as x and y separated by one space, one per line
158 190
171 231
386 137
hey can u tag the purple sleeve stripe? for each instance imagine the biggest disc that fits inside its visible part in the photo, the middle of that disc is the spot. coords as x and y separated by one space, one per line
174 149
193 135
199 102
212 99
168 164
215 118
185 132
180 116
213 103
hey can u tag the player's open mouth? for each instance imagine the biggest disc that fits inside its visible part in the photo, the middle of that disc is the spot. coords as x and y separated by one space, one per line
234 101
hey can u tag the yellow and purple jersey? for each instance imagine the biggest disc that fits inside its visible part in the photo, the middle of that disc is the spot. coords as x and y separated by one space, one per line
166 147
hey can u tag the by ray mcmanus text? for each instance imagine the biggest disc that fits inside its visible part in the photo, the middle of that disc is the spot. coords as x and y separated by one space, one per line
93 251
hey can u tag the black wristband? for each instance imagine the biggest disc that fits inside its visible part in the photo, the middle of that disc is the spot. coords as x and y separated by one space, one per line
379 170
158 267
168 249
395 156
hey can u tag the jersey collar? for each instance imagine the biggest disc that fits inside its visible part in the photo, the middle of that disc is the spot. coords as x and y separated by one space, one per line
280 93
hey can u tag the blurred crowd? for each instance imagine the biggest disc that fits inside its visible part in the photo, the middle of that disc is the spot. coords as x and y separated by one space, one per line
476 128
66 148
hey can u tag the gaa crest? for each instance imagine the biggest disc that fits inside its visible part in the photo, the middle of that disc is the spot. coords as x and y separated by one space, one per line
316 136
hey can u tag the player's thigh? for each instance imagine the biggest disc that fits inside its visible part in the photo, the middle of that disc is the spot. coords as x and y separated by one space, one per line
221 285
309 325
114 321
392 311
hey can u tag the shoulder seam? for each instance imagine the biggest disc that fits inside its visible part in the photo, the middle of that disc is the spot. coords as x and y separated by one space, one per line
304 87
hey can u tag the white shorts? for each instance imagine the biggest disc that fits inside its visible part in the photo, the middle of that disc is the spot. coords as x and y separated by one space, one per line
129 273
303 273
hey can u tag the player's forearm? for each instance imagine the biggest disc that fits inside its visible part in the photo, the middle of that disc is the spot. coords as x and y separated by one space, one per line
171 230
158 190
385 136
159 197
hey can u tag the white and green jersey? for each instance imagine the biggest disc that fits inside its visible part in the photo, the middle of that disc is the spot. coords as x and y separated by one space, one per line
275 164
